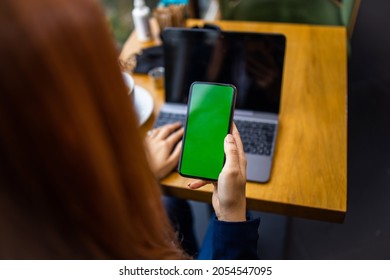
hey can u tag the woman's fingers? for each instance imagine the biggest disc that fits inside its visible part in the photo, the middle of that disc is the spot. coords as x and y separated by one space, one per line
231 152
166 130
175 155
240 146
198 184
237 137
173 138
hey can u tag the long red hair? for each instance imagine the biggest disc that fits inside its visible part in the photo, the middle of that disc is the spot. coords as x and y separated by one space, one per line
74 179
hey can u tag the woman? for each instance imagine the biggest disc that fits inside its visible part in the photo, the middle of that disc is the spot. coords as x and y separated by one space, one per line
75 182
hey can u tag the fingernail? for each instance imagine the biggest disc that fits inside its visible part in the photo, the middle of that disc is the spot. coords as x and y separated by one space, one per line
230 138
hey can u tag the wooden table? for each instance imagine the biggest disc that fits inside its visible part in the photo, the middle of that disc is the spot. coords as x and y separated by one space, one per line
308 177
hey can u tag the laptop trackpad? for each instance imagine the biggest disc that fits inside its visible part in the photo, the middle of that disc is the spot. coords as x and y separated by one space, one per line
258 168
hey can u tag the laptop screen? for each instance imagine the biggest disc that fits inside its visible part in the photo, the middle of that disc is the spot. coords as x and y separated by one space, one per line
253 62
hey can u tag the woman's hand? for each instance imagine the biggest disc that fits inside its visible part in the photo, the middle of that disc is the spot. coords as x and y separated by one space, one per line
229 200
163 147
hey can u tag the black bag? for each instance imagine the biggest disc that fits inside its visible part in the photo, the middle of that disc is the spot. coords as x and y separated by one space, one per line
149 58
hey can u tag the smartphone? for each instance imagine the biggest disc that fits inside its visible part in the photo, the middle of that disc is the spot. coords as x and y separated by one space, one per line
209 119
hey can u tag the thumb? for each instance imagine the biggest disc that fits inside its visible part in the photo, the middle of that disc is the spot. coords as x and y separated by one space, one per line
231 152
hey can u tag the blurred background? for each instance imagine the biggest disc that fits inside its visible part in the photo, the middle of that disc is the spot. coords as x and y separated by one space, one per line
365 233
118 13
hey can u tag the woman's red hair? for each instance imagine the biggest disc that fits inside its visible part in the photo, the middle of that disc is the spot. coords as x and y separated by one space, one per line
74 179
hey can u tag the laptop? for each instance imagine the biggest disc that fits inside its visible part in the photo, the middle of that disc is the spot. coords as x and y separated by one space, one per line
253 62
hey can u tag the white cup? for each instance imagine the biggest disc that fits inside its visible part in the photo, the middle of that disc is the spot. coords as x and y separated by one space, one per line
129 81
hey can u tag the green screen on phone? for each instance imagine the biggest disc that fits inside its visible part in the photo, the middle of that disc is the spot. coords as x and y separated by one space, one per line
209 117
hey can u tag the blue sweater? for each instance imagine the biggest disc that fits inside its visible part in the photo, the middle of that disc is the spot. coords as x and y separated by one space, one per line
230 240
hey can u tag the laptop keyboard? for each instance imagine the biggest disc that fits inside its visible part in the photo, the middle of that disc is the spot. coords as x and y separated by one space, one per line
165 118
257 137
